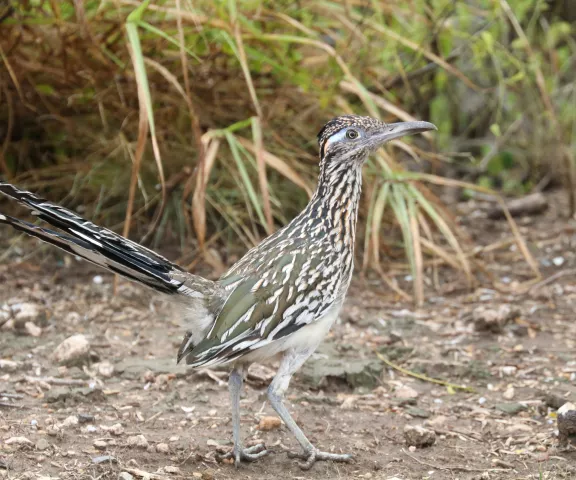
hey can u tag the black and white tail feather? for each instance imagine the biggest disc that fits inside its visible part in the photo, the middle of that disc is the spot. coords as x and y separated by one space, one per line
116 254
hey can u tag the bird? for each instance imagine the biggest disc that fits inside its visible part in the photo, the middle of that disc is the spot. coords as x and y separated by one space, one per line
277 302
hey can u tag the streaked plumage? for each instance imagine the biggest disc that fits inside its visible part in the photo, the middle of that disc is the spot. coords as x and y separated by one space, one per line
280 298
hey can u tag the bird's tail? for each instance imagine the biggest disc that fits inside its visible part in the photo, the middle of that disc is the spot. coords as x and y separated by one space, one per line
95 244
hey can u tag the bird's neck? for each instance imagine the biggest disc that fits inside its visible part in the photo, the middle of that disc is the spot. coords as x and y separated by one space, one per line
334 205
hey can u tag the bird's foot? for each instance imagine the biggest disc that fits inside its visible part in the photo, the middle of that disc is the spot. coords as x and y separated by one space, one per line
314 455
249 454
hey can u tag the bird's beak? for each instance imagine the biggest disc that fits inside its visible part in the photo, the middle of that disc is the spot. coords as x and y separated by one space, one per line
396 130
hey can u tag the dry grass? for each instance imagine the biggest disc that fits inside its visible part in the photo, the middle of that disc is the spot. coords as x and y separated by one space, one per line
194 123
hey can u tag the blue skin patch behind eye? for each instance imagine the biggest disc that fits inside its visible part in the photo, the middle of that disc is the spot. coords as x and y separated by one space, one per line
341 135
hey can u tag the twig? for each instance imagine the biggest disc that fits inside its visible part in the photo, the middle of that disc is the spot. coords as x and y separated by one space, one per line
11 395
550 279
212 375
422 377
454 467
11 405
55 381
154 417
144 474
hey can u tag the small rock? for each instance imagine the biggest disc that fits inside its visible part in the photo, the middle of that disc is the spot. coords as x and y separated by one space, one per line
71 396
85 418
138 441
32 329
406 393
208 475
508 370
493 320
18 441
418 436
550 399
116 429
171 469
104 369
100 444
509 393
73 350
567 424
104 459
125 476
418 412
52 430
498 462
25 312
42 444
9 365
269 423
162 448
511 408
68 422
437 422
519 428
356 372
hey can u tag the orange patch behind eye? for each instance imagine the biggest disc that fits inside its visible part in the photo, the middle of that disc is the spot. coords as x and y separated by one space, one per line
328 141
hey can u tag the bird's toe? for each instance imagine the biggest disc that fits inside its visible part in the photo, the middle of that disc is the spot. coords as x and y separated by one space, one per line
314 455
249 454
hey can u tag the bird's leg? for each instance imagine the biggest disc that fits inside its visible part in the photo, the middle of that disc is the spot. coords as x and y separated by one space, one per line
240 453
291 362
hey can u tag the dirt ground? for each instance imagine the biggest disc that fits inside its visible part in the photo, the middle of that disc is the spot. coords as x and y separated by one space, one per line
123 409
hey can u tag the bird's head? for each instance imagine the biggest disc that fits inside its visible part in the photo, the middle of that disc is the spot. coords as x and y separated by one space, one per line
349 139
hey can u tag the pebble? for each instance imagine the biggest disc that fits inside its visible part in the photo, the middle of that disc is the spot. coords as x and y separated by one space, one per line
511 408
125 476
32 329
493 320
269 423
104 369
406 393
138 441
207 475
116 429
171 469
72 350
437 422
42 444
18 441
100 444
509 393
104 459
418 436
162 448
70 421
508 370
26 312
9 365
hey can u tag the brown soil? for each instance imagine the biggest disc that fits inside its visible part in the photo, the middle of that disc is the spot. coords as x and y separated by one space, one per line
183 415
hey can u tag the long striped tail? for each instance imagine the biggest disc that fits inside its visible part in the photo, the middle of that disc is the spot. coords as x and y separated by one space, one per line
95 244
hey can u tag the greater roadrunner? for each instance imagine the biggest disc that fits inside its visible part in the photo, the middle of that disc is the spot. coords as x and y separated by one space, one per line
281 298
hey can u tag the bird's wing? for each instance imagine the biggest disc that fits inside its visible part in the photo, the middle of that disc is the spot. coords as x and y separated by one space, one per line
264 306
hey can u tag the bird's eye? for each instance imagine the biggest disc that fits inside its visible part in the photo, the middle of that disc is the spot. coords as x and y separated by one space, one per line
352 134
